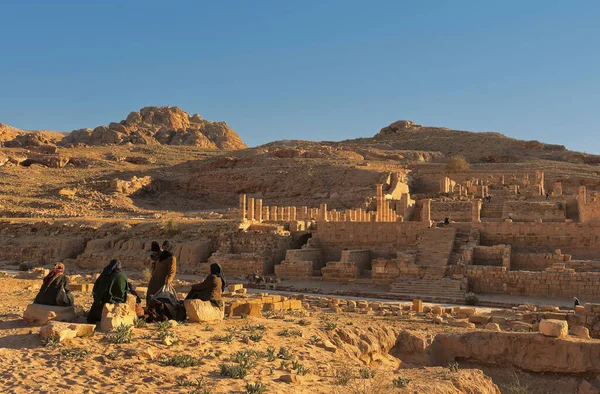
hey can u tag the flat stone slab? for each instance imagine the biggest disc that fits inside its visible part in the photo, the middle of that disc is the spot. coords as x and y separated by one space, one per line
37 313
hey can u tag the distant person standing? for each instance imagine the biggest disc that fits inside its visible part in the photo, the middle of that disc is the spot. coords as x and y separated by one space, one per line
547 196
163 272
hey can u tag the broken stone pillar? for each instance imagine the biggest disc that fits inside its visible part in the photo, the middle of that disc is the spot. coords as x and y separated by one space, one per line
558 189
274 213
242 207
259 210
476 210
293 213
379 196
251 209
323 212
502 180
426 211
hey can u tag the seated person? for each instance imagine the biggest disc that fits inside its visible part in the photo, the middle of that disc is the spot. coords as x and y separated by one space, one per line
55 288
211 288
110 288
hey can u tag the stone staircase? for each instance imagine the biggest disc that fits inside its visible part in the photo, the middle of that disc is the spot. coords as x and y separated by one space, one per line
460 240
493 209
442 288
434 251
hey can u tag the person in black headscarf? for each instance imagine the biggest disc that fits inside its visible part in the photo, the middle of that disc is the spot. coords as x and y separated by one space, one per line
111 287
55 288
154 254
212 287
164 271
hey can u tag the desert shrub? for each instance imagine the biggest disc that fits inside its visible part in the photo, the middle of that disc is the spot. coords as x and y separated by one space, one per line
122 334
515 386
256 337
181 361
457 164
271 354
172 228
233 371
209 328
255 388
401 382
314 339
366 373
26 266
453 367
330 326
74 353
51 342
284 353
304 322
471 299
139 323
342 376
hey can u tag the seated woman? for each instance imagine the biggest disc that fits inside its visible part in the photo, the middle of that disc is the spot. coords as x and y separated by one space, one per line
55 288
110 288
211 288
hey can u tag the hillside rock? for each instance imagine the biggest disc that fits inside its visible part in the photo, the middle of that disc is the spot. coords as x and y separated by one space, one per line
162 125
399 125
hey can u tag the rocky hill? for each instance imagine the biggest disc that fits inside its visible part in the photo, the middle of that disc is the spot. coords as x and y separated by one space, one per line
475 146
12 137
160 125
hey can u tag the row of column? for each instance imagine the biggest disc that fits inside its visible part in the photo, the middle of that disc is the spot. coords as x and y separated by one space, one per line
384 211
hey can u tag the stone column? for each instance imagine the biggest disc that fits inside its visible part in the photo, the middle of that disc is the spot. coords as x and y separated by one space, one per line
266 211
293 213
280 213
476 210
251 209
274 213
348 215
242 207
323 212
259 210
379 202
426 211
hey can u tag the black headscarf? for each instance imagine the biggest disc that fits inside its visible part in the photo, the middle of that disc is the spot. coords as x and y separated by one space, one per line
113 266
215 269
165 254
154 247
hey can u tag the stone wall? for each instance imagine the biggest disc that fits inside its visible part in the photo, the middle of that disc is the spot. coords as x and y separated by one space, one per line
337 271
360 257
497 255
272 247
582 240
296 270
236 264
542 261
529 211
552 283
588 205
40 249
314 255
458 211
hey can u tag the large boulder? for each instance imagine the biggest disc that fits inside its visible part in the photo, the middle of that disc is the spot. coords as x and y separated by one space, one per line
249 309
203 311
37 313
114 315
64 331
554 328
580 332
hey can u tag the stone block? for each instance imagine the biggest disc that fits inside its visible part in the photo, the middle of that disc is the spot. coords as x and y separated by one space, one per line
477 319
273 306
579 309
437 310
468 312
295 305
235 287
63 331
554 328
417 306
84 288
493 327
203 311
114 315
37 313
250 309
241 291
555 316
519 326
580 332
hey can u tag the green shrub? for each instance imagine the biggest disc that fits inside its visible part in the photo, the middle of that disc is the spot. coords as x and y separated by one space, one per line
122 334
255 388
233 371
453 367
401 382
26 266
366 373
471 299
343 376
74 353
457 164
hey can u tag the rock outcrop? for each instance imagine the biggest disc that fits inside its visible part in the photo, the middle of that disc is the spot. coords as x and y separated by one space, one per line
162 125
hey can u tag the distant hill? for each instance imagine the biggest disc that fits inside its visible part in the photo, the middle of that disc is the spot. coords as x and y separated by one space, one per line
160 125
14 137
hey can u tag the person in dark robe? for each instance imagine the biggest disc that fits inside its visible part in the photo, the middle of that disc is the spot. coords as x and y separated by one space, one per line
163 272
55 288
111 287
575 302
154 254
211 288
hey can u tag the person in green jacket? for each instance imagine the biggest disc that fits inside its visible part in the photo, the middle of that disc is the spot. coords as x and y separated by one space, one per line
110 288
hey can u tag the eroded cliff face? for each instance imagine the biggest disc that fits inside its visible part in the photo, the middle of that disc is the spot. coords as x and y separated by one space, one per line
160 125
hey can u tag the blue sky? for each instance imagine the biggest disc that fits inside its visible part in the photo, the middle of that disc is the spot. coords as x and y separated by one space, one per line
315 70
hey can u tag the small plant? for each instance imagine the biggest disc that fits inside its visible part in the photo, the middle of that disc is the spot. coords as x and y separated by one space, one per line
255 388
271 354
296 333
301 370
260 327
181 361
74 353
295 364
182 382
314 339
122 334
453 367
329 326
172 228
222 338
255 337
243 315
245 359
283 364
342 376
471 299
139 323
304 322
514 386
51 342
366 373
233 371
209 328
284 353
284 333
401 382
457 164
